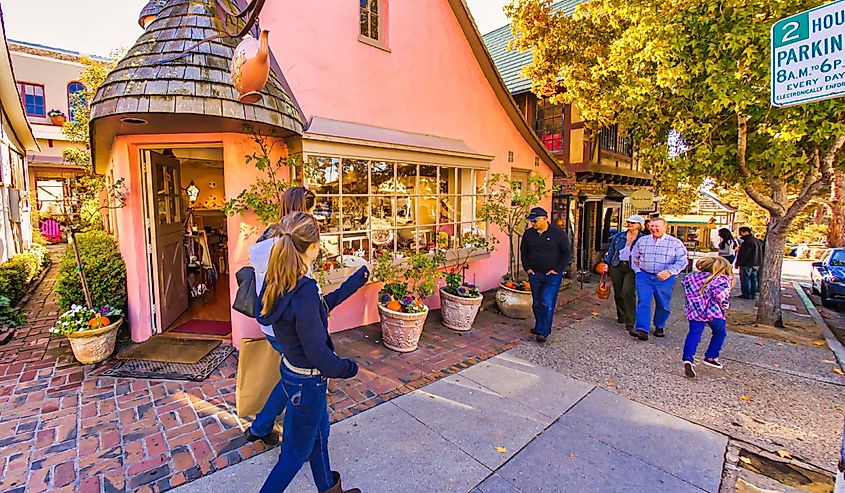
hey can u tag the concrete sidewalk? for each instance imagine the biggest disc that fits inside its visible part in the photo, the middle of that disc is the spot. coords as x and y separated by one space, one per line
506 426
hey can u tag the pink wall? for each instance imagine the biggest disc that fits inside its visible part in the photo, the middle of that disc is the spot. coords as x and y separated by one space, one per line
429 83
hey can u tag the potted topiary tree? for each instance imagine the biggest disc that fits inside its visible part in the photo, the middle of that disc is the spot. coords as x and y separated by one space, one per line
408 280
508 204
57 117
459 299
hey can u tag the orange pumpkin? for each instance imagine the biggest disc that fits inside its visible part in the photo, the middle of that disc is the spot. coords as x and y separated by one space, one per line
394 305
526 286
510 284
97 322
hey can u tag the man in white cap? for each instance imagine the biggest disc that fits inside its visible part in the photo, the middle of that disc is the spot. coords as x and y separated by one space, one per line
617 262
546 253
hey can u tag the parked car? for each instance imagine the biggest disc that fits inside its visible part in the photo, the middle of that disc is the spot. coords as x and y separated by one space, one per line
827 277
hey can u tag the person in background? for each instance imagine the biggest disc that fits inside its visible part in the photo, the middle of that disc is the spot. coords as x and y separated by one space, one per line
295 199
657 259
545 253
292 304
617 261
727 245
708 295
748 260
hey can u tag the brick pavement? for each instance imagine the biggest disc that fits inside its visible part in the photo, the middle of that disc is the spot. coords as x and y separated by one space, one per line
65 428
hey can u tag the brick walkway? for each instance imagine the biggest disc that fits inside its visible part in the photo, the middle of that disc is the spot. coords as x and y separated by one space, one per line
64 428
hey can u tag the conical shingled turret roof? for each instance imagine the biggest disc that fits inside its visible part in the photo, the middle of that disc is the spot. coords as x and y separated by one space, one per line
152 9
191 93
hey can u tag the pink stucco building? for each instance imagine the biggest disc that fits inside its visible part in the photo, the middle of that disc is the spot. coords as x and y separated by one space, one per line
397 106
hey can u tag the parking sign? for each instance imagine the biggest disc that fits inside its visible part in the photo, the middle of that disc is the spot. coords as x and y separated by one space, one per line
808 56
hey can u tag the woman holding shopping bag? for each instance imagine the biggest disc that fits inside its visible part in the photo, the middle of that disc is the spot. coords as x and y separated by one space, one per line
617 262
292 304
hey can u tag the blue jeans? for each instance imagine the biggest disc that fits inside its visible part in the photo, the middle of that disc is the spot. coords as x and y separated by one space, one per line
306 433
275 405
719 329
748 283
648 288
544 291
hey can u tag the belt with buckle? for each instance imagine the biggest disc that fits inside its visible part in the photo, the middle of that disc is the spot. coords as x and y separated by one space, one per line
308 372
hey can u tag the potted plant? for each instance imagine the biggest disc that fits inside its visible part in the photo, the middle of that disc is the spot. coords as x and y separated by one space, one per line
91 332
460 300
507 206
408 280
57 117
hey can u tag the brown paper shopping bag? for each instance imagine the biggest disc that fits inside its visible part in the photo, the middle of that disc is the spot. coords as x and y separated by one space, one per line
258 373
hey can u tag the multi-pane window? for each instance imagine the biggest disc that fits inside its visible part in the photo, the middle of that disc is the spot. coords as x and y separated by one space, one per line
33 99
611 140
368 207
74 88
370 19
548 123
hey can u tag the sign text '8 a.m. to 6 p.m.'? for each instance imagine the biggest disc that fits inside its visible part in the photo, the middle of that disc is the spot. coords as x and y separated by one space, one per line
808 56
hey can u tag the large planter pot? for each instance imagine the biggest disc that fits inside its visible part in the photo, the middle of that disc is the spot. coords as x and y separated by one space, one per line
57 120
513 303
94 346
401 331
458 313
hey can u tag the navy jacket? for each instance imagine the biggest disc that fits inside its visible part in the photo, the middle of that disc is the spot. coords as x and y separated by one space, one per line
542 252
618 242
300 321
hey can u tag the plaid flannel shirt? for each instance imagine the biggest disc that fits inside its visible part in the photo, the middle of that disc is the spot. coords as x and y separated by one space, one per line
652 255
713 303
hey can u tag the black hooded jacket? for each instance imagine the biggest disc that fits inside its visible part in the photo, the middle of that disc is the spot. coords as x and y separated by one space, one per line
300 321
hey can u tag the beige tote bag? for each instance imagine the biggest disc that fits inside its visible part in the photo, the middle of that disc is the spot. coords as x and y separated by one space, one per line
258 373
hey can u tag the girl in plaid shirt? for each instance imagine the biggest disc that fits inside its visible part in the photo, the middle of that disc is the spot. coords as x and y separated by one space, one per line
708 295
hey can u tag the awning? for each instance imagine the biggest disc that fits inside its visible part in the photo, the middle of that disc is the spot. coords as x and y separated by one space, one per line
689 220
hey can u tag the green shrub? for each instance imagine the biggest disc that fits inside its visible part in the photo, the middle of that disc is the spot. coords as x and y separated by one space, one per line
105 272
21 270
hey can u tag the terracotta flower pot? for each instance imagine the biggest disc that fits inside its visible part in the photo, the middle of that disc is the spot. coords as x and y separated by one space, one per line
458 313
251 67
94 346
513 303
401 331
57 120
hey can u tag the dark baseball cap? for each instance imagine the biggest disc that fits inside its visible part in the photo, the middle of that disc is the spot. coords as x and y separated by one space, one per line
537 212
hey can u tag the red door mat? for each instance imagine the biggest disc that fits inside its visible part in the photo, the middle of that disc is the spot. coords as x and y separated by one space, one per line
207 327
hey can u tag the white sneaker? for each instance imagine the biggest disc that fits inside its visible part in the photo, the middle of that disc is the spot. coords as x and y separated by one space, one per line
714 362
689 369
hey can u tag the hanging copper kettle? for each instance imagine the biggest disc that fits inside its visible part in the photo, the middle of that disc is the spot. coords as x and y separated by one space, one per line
251 67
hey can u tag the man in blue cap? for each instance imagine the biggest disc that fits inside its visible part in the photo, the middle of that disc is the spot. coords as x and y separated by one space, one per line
545 253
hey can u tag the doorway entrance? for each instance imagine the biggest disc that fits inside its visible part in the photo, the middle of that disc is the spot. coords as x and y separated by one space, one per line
187 242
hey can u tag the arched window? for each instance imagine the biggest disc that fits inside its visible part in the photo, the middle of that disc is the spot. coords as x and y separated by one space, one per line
73 88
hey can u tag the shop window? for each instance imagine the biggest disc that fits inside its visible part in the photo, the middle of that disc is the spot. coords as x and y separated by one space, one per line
74 88
611 140
548 123
32 96
609 224
371 17
368 207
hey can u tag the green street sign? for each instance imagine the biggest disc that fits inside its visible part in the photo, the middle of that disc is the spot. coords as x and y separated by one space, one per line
808 56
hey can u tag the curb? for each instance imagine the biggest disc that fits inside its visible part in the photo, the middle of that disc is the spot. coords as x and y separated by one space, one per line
832 342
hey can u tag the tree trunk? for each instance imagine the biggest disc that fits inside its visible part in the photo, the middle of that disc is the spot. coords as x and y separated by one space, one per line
768 306
836 224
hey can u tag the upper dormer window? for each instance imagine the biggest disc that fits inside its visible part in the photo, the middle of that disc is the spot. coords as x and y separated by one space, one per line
370 19
74 88
32 96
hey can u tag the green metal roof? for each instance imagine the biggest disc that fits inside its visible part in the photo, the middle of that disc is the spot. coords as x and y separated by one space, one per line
509 63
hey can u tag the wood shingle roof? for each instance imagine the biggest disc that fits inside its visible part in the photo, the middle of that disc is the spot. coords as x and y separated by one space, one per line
186 92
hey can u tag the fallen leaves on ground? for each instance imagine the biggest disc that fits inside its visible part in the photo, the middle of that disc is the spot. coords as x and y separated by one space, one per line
818 343
745 460
830 362
839 371
610 384
744 398
571 456
595 314
501 450
784 454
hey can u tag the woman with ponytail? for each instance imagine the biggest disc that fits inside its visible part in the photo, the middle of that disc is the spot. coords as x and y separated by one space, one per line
708 293
295 199
291 303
